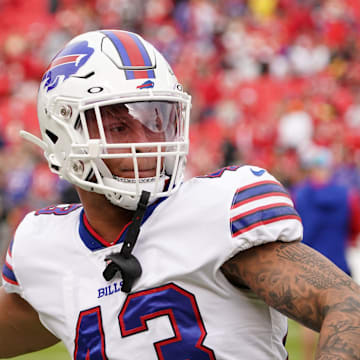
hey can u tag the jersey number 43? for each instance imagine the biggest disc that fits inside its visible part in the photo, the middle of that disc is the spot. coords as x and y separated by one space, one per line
169 300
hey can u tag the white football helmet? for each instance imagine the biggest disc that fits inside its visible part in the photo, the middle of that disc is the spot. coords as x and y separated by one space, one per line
113 118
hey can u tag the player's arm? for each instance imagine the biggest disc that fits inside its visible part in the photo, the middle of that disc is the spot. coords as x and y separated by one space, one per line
20 328
307 287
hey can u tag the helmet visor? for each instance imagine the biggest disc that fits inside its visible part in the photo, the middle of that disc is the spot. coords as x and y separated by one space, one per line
136 122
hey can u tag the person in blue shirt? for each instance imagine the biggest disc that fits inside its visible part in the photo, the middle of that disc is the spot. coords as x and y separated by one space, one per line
330 214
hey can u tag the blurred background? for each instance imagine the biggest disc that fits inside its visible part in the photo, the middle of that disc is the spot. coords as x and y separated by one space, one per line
272 82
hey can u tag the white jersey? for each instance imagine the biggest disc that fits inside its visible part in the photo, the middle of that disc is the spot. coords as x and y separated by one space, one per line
182 307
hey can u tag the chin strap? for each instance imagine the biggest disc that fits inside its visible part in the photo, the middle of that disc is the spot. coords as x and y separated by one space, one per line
123 261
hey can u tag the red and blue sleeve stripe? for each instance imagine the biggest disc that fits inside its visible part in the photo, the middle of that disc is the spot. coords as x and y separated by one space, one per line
132 53
7 271
258 211
10 248
258 191
261 216
8 274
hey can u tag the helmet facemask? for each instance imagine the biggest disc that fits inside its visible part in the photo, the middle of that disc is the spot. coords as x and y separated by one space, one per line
129 147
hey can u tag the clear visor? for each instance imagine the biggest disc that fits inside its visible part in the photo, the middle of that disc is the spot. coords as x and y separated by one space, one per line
136 122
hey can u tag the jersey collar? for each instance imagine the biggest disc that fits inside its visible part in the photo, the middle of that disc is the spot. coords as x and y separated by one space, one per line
93 241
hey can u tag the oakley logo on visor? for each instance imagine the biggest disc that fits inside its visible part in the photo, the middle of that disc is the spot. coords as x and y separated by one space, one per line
67 63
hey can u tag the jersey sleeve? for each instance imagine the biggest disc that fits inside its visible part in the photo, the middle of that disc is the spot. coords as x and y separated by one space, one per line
10 270
262 210
23 263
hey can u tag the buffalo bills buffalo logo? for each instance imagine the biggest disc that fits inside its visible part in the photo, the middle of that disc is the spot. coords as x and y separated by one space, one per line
146 85
66 63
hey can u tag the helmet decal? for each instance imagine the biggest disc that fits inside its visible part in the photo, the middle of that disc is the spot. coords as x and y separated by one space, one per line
66 63
146 85
132 53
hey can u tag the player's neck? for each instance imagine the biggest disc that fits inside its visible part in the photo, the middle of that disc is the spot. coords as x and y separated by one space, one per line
106 219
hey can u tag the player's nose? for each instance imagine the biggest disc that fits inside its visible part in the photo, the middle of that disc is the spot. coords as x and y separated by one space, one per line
148 137
146 149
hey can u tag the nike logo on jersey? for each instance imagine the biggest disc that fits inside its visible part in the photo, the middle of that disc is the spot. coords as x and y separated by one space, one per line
257 172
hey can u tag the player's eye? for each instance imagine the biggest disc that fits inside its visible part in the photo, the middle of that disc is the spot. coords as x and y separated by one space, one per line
116 127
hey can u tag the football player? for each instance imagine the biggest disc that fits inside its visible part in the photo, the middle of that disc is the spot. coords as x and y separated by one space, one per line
149 266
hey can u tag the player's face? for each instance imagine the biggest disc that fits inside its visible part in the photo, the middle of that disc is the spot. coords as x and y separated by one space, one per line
138 122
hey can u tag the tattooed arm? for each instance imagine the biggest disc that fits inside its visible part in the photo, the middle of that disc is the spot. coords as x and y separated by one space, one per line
307 287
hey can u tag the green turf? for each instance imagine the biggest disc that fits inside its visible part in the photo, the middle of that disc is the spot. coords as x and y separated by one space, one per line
293 345
58 352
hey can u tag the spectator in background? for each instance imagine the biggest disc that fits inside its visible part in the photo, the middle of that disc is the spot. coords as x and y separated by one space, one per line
295 128
331 216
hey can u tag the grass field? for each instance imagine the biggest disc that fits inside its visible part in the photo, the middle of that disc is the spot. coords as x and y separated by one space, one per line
58 352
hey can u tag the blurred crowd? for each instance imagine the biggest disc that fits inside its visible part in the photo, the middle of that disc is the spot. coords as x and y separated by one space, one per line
270 79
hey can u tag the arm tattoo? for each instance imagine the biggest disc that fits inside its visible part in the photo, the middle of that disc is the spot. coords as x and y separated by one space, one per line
317 271
304 285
